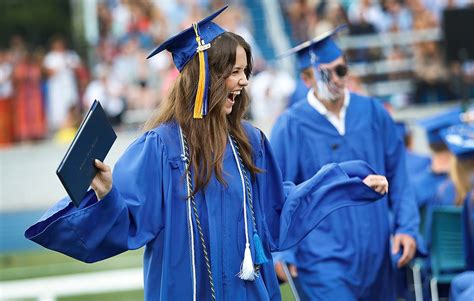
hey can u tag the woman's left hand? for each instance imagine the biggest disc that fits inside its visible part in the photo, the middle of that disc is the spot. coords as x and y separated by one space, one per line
377 182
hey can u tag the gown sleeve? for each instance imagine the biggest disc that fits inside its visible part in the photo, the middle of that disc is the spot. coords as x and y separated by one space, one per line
128 217
292 211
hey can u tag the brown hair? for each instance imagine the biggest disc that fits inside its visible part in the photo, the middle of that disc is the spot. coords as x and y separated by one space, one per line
461 175
207 137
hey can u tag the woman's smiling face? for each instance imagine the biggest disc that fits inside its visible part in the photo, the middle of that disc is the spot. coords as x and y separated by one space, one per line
237 80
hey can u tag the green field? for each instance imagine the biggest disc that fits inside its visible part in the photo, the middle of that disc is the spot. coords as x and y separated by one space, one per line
27 265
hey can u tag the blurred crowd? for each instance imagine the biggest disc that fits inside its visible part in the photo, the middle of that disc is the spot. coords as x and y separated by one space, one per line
45 91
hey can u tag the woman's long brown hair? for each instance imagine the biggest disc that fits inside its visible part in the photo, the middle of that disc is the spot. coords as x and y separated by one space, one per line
461 172
207 137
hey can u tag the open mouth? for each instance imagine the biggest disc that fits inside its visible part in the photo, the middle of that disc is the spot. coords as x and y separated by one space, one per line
232 95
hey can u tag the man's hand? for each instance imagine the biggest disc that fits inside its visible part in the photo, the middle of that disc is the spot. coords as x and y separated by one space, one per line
281 274
409 248
377 183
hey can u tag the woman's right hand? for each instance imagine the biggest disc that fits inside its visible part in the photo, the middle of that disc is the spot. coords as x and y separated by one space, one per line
102 182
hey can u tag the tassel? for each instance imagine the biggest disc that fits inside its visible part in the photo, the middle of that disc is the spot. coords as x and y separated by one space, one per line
246 270
260 257
206 85
200 91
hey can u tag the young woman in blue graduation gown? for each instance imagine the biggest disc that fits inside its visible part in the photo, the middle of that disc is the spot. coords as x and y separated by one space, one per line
460 140
203 195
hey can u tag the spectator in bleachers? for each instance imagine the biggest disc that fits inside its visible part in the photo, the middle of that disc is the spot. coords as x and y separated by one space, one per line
365 15
349 257
60 64
105 88
299 12
269 93
327 15
397 17
460 140
430 72
6 93
29 118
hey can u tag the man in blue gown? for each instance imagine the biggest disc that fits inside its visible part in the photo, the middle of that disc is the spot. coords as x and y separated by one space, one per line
349 257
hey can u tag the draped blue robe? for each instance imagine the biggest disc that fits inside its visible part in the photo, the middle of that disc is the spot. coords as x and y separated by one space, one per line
348 256
147 207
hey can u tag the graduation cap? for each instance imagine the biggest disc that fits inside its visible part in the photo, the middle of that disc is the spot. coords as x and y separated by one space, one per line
320 50
194 40
460 140
433 125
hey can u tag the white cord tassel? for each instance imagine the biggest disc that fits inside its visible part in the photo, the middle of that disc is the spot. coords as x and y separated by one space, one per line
247 271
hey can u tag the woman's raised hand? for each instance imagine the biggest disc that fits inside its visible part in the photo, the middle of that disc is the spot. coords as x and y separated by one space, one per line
102 182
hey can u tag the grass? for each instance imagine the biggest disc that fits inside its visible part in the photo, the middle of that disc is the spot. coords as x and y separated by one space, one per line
26 265
33 264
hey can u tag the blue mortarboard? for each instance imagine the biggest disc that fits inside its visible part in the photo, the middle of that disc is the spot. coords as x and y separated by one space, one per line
433 125
460 140
320 50
195 40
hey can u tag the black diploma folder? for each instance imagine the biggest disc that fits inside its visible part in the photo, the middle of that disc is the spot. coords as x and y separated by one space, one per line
93 140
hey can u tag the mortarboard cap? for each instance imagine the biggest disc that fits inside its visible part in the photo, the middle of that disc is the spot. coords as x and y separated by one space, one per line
320 50
460 140
433 125
194 40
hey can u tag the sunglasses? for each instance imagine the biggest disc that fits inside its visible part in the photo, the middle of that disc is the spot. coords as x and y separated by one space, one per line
340 70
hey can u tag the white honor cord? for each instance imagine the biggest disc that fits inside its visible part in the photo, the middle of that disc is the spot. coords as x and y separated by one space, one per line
247 271
190 220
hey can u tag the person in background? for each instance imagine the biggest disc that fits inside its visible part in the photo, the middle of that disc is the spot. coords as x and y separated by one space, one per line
416 163
6 93
62 94
436 176
109 92
349 257
29 116
201 189
460 140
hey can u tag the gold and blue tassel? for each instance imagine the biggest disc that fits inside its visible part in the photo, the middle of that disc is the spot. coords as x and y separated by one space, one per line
200 103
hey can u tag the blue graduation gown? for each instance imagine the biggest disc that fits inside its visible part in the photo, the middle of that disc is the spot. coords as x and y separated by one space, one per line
348 256
147 207
433 188
468 230
416 163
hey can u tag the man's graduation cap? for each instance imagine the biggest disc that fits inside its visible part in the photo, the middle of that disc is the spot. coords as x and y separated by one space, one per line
194 40
460 140
433 125
320 50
